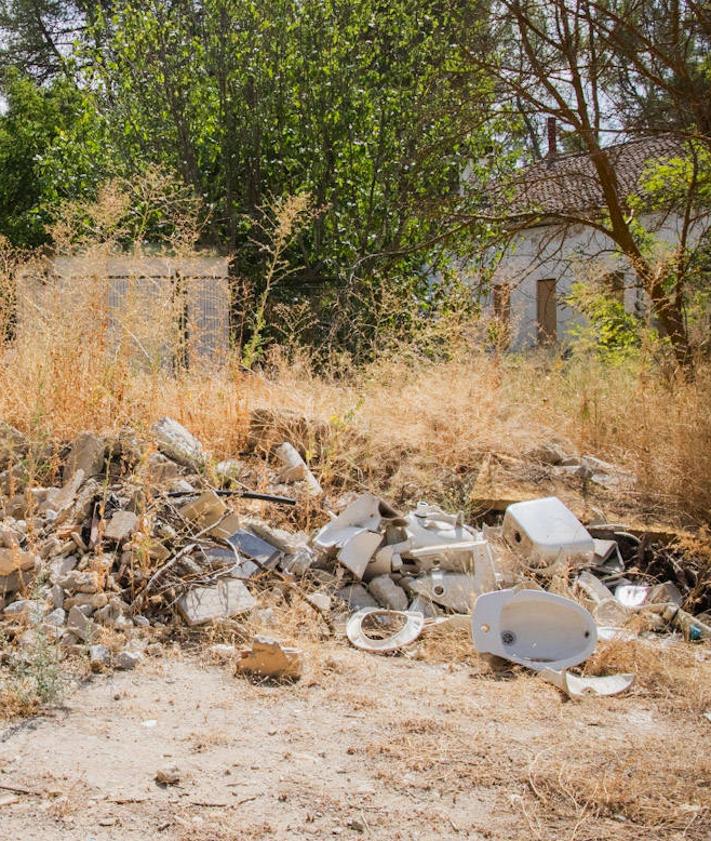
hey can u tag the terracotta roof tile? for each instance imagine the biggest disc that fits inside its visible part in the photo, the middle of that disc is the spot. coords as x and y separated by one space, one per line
569 183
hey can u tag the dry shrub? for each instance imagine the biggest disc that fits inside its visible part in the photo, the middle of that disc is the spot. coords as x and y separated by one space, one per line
674 673
655 784
408 425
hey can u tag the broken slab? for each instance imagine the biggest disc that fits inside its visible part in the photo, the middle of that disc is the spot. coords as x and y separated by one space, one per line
227 598
174 441
269 658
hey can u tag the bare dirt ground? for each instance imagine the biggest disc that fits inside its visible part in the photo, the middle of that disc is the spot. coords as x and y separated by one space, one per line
363 746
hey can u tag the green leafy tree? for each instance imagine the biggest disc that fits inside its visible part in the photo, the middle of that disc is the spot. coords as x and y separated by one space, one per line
363 105
52 146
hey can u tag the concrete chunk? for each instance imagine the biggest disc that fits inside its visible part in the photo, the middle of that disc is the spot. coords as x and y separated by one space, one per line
174 441
121 526
88 453
80 582
227 598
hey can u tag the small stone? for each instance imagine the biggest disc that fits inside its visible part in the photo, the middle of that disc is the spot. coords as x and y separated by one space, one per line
548 453
80 582
387 593
222 652
121 526
56 596
161 468
99 657
57 618
229 469
205 511
88 602
79 624
141 621
154 649
127 660
26 610
168 776
356 825
59 568
322 601
16 569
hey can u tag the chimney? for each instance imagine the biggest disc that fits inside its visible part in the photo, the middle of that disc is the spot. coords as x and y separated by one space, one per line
552 142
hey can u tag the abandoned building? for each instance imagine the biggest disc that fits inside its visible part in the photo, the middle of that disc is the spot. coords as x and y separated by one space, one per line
546 256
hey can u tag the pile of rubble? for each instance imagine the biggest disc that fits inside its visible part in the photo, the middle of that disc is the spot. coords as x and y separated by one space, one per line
143 535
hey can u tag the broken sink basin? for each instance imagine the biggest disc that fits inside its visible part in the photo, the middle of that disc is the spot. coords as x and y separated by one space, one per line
533 628
545 530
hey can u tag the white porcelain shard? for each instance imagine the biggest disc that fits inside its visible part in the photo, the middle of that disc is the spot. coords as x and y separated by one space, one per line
356 552
544 530
367 511
383 562
410 631
577 687
332 537
454 590
426 526
533 628
632 595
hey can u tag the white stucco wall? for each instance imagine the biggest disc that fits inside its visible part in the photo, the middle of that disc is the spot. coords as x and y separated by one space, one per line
570 254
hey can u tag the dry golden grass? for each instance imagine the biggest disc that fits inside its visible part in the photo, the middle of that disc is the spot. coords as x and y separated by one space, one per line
405 427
